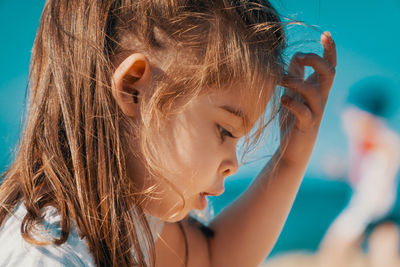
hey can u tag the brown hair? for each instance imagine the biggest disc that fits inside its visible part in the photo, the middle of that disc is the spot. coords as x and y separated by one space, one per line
70 154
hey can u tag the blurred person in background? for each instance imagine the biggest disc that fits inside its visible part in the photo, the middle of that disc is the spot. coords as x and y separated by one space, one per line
374 161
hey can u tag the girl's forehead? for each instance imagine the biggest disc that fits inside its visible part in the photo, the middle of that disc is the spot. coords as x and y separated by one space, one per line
241 91
247 103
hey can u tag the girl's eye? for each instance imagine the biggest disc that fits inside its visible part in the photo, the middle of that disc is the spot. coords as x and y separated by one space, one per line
223 133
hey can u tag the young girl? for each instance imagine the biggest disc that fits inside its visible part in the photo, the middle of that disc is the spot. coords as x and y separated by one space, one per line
135 111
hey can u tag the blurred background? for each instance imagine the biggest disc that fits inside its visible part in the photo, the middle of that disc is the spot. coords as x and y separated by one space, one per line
367 35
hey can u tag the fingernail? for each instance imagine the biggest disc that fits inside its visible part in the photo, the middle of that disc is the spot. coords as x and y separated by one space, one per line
328 34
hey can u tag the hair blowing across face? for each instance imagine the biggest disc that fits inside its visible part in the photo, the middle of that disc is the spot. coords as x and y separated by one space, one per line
71 153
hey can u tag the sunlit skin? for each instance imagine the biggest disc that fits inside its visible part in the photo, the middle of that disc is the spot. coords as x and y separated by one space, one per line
199 145
246 231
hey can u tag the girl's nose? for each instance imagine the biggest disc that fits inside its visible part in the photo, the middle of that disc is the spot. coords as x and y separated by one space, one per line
229 166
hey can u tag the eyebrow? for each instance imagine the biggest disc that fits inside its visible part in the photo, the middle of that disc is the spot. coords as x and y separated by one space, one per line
237 112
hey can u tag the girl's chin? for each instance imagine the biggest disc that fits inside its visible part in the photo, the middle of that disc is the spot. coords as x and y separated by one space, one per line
176 217
199 202
172 217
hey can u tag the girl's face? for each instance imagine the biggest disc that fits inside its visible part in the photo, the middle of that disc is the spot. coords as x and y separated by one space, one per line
198 152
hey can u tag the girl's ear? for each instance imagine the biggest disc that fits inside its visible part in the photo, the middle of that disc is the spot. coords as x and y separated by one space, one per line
129 80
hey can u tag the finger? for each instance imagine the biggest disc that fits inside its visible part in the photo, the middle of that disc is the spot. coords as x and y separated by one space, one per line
292 84
320 65
329 48
310 96
302 113
295 68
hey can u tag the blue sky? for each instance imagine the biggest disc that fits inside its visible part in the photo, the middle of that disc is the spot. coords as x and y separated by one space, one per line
366 33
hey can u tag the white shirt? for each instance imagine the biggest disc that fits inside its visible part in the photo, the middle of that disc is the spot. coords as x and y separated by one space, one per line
15 251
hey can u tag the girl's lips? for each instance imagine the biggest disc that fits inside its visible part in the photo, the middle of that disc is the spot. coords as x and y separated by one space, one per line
213 193
203 199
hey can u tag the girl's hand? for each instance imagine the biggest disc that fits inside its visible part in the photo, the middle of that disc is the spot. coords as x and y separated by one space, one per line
304 100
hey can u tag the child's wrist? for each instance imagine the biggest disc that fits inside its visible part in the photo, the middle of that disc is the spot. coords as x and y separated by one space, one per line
288 157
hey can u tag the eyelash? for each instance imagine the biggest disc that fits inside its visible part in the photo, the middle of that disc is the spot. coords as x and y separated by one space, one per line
223 132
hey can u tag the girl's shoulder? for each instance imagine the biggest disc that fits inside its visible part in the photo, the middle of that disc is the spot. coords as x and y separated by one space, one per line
15 251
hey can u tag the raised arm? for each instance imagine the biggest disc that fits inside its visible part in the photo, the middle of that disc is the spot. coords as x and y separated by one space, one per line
246 231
